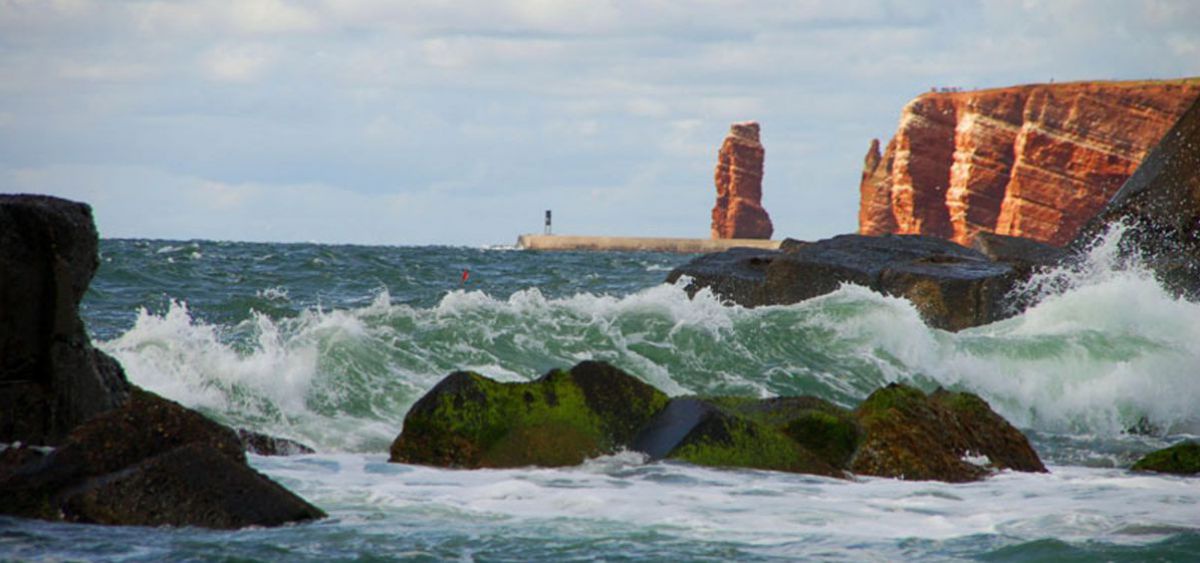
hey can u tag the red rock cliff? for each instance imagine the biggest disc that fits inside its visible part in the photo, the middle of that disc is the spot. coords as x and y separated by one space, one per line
1034 161
739 212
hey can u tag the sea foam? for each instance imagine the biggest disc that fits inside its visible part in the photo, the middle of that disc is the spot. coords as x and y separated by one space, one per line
1104 349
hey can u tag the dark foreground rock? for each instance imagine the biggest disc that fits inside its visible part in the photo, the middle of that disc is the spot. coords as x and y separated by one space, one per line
263 444
151 462
123 455
1180 459
562 418
51 378
953 287
469 421
1160 206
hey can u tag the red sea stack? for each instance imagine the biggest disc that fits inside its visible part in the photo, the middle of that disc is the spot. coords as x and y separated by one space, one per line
1032 161
739 212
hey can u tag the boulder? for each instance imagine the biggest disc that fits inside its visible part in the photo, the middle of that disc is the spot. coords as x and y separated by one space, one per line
263 444
123 455
470 421
952 286
192 485
150 462
795 434
1022 254
561 418
1160 208
51 378
1181 459
945 436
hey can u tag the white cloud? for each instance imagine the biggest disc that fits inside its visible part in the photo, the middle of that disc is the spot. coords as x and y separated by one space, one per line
492 107
238 63
270 16
104 71
222 18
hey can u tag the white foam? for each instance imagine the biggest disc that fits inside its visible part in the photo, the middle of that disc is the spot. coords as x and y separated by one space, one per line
751 508
1111 350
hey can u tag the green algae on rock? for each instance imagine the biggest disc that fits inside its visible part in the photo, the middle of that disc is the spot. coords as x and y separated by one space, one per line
565 417
562 418
1181 459
795 434
945 436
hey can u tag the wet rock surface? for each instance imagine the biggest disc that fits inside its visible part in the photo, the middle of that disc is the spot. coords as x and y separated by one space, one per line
1181 459
51 378
946 436
953 287
123 455
1159 209
150 462
263 444
469 421
561 418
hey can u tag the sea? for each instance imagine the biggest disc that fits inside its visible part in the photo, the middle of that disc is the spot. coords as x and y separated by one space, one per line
330 345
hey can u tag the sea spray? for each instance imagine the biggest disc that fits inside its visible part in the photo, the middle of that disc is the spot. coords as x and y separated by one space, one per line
365 331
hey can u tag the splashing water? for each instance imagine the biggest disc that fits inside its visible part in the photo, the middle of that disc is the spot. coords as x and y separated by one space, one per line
1103 350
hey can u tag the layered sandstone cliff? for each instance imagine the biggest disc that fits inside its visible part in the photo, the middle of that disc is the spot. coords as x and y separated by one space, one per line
738 212
1033 161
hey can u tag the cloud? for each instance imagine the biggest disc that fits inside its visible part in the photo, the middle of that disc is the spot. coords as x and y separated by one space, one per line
218 17
610 111
238 63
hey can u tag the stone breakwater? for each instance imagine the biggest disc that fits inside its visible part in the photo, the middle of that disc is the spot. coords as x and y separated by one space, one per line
1034 161
738 212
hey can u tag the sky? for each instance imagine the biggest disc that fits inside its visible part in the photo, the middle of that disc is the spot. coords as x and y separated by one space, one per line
436 122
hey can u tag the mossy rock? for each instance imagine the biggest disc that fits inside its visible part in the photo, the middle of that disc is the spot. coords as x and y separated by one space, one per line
823 428
562 418
795 434
910 435
987 433
1181 459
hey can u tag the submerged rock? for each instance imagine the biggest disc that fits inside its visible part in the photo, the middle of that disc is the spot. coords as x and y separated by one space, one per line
150 462
562 418
953 287
1181 459
263 444
945 436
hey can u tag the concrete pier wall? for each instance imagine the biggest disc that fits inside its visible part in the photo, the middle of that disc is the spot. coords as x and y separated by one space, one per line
649 244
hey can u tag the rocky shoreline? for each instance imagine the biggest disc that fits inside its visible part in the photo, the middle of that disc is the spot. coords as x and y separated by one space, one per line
955 287
105 451
108 452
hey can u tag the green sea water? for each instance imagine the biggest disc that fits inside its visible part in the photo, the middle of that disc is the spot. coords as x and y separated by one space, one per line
330 345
